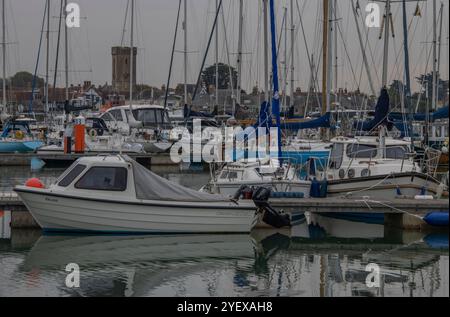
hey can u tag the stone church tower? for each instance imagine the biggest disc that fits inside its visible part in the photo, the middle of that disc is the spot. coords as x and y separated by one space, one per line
121 69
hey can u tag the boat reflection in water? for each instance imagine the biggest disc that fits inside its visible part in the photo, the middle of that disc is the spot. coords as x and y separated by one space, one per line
321 257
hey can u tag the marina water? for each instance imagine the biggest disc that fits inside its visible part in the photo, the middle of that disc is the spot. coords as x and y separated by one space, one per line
321 256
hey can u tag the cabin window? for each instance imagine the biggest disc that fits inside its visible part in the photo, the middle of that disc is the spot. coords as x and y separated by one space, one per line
396 152
104 178
361 151
70 177
159 117
147 116
117 114
337 154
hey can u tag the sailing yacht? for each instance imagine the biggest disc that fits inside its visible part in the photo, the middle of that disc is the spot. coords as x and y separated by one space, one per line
261 173
376 167
17 137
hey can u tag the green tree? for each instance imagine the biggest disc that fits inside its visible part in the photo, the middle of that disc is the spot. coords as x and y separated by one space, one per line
209 76
25 80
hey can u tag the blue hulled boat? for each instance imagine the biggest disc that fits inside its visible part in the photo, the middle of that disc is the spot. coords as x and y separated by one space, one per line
17 138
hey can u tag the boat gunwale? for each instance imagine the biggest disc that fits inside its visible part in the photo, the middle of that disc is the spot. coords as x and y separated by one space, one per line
200 205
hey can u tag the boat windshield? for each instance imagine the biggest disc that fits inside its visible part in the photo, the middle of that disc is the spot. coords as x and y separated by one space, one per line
152 117
104 178
70 177
361 151
396 152
336 156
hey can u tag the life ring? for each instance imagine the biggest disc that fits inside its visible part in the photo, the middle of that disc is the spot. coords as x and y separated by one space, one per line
19 135
93 133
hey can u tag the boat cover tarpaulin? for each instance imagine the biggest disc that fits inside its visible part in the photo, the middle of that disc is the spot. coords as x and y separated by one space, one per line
150 186
439 114
381 113
322 122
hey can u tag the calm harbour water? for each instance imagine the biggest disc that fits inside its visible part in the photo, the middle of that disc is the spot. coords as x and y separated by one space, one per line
320 257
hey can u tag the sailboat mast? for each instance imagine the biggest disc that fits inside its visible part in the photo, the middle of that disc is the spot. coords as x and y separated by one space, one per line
292 101
276 90
407 74
66 49
387 25
285 75
336 58
185 53
217 59
325 56
4 52
239 59
266 52
329 56
441 13
363 50
132 55
48 58
435 79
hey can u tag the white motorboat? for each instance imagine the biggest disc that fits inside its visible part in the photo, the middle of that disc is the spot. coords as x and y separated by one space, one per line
376 167
114 194
261 173
148 125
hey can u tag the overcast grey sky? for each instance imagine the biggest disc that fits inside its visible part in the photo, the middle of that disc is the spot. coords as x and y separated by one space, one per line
102 25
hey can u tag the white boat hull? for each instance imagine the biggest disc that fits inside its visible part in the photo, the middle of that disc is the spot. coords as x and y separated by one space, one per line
55 212
384 187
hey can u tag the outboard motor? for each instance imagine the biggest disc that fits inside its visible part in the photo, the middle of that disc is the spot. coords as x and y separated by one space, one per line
270 215
242 192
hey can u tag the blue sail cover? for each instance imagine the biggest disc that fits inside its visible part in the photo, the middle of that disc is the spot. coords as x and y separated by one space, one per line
439 114
322 122
381 113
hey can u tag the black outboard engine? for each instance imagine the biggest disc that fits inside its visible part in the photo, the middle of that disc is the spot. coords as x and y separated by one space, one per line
270 216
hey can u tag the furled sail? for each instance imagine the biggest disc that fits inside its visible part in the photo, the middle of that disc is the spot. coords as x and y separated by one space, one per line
439 114
381 114
322 122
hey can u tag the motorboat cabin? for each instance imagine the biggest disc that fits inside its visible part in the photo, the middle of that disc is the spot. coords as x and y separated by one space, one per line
368 156
146 116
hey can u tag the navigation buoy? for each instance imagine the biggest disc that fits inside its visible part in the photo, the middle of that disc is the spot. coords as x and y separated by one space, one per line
35 183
